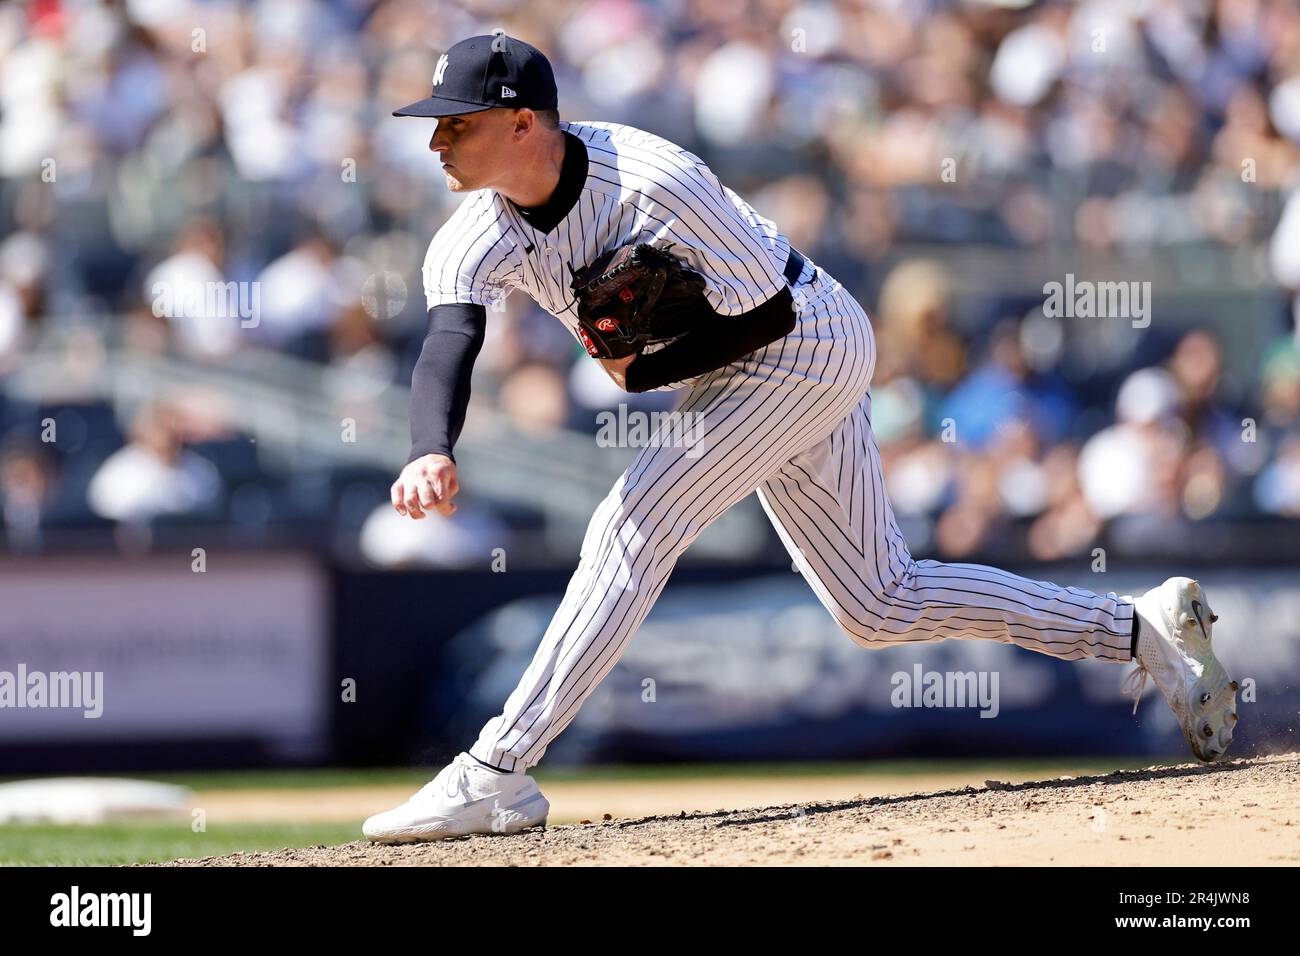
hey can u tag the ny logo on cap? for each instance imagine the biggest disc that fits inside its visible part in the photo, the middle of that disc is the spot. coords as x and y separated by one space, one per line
439 70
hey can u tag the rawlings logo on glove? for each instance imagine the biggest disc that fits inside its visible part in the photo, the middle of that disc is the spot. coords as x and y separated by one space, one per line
634 295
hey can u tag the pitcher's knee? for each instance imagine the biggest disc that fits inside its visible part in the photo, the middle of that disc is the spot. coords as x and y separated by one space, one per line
874 620
641 541
860 623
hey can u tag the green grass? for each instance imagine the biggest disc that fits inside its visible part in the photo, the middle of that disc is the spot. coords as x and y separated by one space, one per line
111 844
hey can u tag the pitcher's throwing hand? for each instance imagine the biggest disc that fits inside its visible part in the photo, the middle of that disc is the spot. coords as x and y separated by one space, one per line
426 484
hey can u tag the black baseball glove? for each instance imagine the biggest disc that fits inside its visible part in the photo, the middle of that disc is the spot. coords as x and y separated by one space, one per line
634 295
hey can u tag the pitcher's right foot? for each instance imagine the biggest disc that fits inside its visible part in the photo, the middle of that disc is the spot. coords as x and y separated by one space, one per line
1173 648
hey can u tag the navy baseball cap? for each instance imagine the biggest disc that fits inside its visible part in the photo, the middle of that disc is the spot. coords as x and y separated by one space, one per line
485 72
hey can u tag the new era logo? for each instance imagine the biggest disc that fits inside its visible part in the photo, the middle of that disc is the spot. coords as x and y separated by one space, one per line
507 92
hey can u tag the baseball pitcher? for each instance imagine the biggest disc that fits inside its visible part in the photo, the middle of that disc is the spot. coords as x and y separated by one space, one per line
672 281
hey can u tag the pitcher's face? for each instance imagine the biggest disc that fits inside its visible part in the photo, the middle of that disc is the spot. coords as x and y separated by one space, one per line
475 148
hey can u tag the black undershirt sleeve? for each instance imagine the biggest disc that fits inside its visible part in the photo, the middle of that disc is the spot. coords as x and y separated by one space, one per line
715 341
440 381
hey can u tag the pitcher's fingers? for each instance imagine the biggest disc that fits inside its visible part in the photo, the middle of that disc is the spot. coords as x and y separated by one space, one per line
428 493
398 495
413 501
447 508
450 487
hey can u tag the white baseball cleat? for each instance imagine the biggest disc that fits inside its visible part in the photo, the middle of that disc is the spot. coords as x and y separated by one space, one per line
465 797
1174 649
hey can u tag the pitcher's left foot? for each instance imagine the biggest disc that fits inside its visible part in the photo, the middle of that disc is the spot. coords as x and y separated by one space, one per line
466 797
1173 647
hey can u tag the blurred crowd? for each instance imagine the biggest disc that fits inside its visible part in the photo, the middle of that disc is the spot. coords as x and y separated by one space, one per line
175 144
999 443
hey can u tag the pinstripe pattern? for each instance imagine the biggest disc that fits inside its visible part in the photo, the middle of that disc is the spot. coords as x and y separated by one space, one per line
790 421
829 507
639 187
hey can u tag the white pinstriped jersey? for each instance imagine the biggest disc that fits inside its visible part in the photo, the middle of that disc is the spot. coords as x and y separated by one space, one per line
792 423
639 187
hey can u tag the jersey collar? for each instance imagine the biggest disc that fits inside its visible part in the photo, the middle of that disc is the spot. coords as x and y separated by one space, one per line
573 174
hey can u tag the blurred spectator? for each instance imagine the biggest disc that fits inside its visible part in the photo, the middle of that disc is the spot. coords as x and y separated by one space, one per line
24 266
298 296
1277 490
189 291
1068 526
1131 466
154 474
1280 386
918 356
1003 391
1196 365
534 397
28 482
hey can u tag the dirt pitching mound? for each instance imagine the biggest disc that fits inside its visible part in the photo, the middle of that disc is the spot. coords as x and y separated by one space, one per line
1242 812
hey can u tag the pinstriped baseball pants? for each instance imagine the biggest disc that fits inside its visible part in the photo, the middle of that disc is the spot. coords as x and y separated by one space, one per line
791 421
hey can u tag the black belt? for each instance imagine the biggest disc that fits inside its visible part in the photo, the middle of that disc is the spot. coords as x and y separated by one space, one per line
794 266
